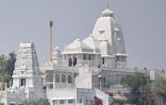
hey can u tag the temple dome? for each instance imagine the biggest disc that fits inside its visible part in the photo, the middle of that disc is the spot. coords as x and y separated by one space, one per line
92 43
108 28
77 47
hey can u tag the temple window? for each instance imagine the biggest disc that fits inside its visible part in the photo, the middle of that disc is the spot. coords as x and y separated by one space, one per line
62 101
118 58
69 79
63 78
90 57
57 79
70 62
22 82
70 101
103 61
123 59
84 57
74 61
93 57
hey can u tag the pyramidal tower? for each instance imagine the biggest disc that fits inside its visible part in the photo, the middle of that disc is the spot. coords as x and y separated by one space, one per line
26 73
27 81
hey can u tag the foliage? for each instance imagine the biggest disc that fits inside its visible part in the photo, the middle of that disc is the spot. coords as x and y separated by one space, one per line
7 65
135 81
42 102
3 62
140 93
119 102
6 77
160 87
11 63
39 102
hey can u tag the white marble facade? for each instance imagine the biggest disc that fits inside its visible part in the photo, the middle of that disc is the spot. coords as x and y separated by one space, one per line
75 75
84 60
27 81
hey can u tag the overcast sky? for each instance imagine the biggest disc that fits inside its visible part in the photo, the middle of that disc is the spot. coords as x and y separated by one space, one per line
143 23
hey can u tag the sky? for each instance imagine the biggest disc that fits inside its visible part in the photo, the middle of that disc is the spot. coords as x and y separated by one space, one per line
143 23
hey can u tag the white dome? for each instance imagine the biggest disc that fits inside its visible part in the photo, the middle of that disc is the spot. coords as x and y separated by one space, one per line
92 43
108 28
77 47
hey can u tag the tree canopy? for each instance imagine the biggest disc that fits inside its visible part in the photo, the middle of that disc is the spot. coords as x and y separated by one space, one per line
135 81
11 63
7 65
39 102
3 63
160 86
140 93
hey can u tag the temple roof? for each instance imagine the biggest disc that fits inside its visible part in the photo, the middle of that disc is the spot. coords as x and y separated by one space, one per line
77 47
108 28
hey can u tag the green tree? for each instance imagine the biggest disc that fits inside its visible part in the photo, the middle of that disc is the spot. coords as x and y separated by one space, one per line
42 102
120 102
11 63
39 102
161 85
160 89
3 63
7 65
140 93
136 81
6 78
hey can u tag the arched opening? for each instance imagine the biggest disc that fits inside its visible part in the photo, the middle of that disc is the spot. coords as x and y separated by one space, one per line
103 61
57 78
69 79
90 57
84 57
63 78
70 62
74 61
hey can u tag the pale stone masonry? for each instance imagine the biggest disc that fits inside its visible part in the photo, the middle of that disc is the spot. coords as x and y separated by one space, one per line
84 69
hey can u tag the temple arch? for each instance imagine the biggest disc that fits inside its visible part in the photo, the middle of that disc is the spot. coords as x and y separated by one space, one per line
57 78
69 79
63 78
70 62
74 61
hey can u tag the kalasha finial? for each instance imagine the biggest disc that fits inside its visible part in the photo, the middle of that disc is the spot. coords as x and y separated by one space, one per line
51 23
